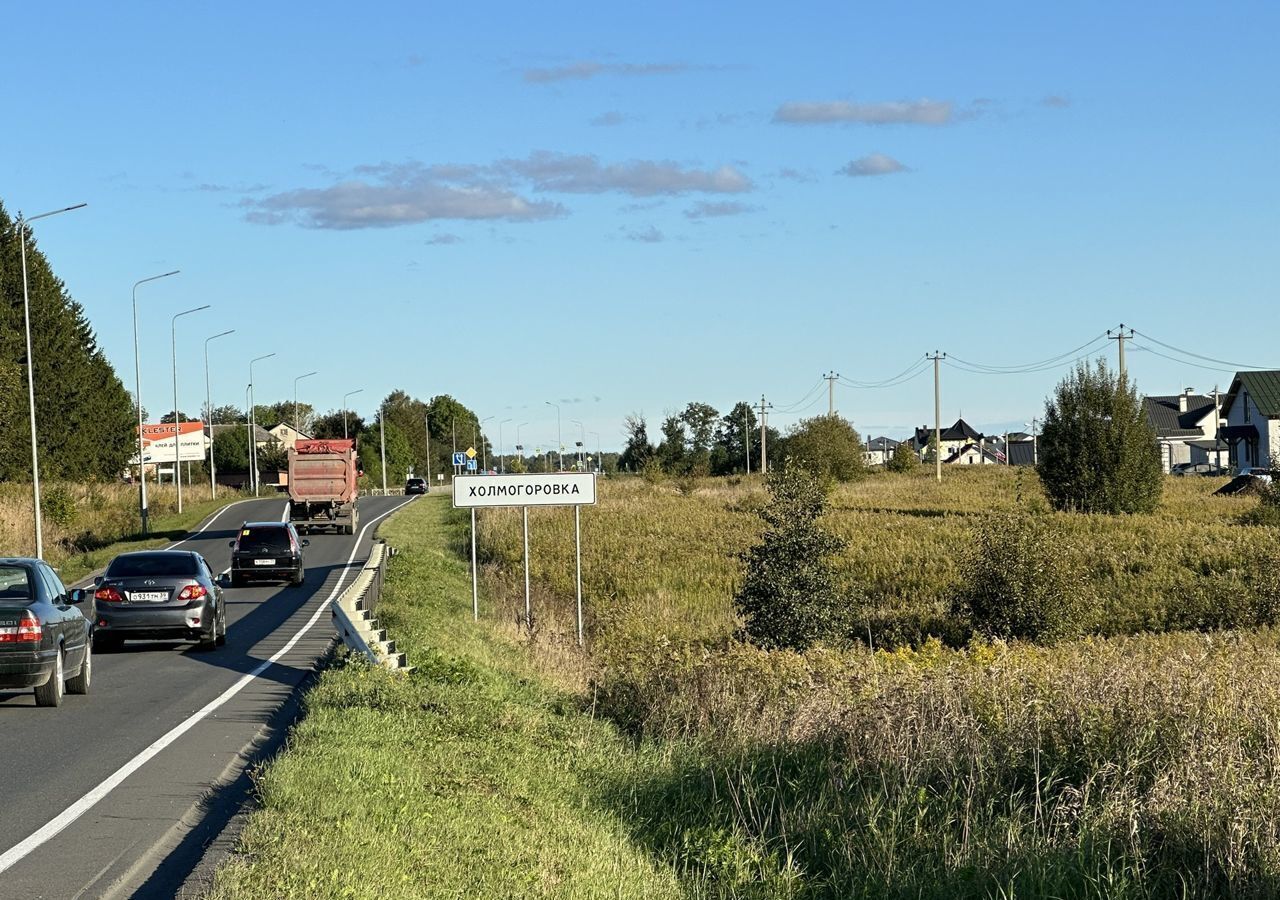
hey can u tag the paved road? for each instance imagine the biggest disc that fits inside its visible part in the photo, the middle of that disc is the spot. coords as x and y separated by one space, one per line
156 808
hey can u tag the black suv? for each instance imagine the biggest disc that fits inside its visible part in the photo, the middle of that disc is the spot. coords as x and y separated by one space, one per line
267 550
415 486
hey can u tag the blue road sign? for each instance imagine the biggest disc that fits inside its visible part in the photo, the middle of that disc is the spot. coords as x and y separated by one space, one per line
471 465
459 459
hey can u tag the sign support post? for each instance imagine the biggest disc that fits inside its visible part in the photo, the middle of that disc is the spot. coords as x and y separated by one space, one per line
475 592
528 609
577 546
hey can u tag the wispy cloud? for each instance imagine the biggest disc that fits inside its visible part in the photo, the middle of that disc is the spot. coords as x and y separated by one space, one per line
385 195
1056 101
608 119
705 209
905 112
794 175
580 71
874 164
648 235
445 238
584 174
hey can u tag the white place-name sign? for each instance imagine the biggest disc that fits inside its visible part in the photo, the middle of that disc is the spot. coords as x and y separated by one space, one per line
552 489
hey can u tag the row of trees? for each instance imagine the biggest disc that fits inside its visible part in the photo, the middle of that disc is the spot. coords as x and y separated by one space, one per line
85 423
699 441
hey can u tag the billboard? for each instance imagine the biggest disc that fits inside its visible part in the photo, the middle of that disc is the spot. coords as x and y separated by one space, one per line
158 443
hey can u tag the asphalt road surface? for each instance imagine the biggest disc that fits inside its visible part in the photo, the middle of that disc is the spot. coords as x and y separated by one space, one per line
117 794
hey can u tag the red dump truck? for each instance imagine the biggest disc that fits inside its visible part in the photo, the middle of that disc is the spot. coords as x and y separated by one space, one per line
322 486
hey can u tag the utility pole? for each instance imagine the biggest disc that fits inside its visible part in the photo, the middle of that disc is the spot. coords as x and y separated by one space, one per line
1120 337
830 378
764 435
746 437
937 411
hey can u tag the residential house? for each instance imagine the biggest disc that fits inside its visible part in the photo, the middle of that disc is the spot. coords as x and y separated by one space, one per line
880 450
1021 448
1186 425
263 437
983 453
287 435
953 438
1251 419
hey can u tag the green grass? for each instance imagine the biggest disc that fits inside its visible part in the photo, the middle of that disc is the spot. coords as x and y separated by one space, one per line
467 778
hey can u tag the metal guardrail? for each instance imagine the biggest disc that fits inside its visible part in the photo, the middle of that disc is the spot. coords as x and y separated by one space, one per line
354 613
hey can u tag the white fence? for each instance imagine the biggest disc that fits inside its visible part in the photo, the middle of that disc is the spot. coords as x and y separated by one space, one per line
354 613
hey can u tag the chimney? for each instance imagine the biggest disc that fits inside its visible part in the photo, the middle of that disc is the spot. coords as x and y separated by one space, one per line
1182 399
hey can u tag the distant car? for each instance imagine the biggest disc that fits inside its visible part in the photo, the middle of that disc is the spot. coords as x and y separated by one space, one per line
45 641
415 486
1260 472
267 551
1194 469
159 595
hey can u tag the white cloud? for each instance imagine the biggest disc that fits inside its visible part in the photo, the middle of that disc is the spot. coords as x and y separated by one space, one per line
444 238
608 119
875 164
709 210
648 235
583 174
580 71
907 112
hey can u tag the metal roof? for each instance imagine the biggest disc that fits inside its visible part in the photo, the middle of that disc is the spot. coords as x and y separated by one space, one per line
1263 386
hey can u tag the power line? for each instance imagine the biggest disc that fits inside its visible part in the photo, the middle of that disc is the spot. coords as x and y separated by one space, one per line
1027 368
902 377
1183 362
1224 362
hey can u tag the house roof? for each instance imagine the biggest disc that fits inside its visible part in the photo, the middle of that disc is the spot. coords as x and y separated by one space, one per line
1263 386
882 443
990 454
283 427
960 431
1168 422
263 436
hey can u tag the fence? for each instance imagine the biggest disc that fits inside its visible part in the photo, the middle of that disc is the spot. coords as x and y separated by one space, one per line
355 613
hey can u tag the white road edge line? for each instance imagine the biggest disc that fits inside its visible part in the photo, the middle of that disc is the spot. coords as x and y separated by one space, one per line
54 826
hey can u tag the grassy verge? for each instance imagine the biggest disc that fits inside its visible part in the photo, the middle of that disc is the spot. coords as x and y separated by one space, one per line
468 778
85 525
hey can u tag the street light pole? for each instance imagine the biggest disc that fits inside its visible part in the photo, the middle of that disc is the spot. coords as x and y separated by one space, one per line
502 448
31 368
177 425
599 454
426 424
382 439
344 408
297 427
253 426
582 440
520 446
137 399
484 451
208 412
559 439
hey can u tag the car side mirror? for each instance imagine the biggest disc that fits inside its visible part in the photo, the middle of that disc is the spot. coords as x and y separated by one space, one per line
231 544
97 580
306 543
78 595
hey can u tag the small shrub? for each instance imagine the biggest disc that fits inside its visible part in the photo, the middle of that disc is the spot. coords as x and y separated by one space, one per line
904 459
651 471
58 506
789 598
1016 582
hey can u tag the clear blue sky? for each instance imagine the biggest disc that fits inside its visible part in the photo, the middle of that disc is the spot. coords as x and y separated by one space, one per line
628 208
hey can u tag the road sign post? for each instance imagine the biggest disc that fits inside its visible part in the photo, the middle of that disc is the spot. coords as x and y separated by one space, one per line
574 489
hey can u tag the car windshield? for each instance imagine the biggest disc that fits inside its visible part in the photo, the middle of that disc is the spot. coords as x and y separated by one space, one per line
182 565
274 539
14 584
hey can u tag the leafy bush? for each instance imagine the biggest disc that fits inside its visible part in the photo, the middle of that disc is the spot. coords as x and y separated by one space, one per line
1098 453
1016 582
904 459
58 506
789 598
828 447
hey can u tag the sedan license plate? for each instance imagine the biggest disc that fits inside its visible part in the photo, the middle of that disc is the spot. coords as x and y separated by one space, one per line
149 596
264 562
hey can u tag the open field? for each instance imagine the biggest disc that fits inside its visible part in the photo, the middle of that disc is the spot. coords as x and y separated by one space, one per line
87 524
659 563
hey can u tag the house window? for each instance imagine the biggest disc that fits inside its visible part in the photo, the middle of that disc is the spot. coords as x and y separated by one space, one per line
1247 417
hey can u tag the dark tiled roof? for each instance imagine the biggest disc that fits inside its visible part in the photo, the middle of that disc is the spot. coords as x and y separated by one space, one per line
960 431
1263 387
1168 422
882 443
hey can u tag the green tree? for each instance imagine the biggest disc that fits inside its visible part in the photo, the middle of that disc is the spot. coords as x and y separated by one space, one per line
829 447
399 456
169 417
788 597
736 430
638 449
700 424
231 450
904 459
330 425
448 418
1097 451
84 414
223 415
673 451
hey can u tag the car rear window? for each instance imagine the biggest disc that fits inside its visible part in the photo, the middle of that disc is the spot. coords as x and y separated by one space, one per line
416 481
181 565
265 537
14 583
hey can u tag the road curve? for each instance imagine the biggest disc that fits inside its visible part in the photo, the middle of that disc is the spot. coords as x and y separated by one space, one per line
134 818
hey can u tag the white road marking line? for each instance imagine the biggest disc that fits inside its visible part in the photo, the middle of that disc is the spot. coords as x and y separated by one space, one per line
54 826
